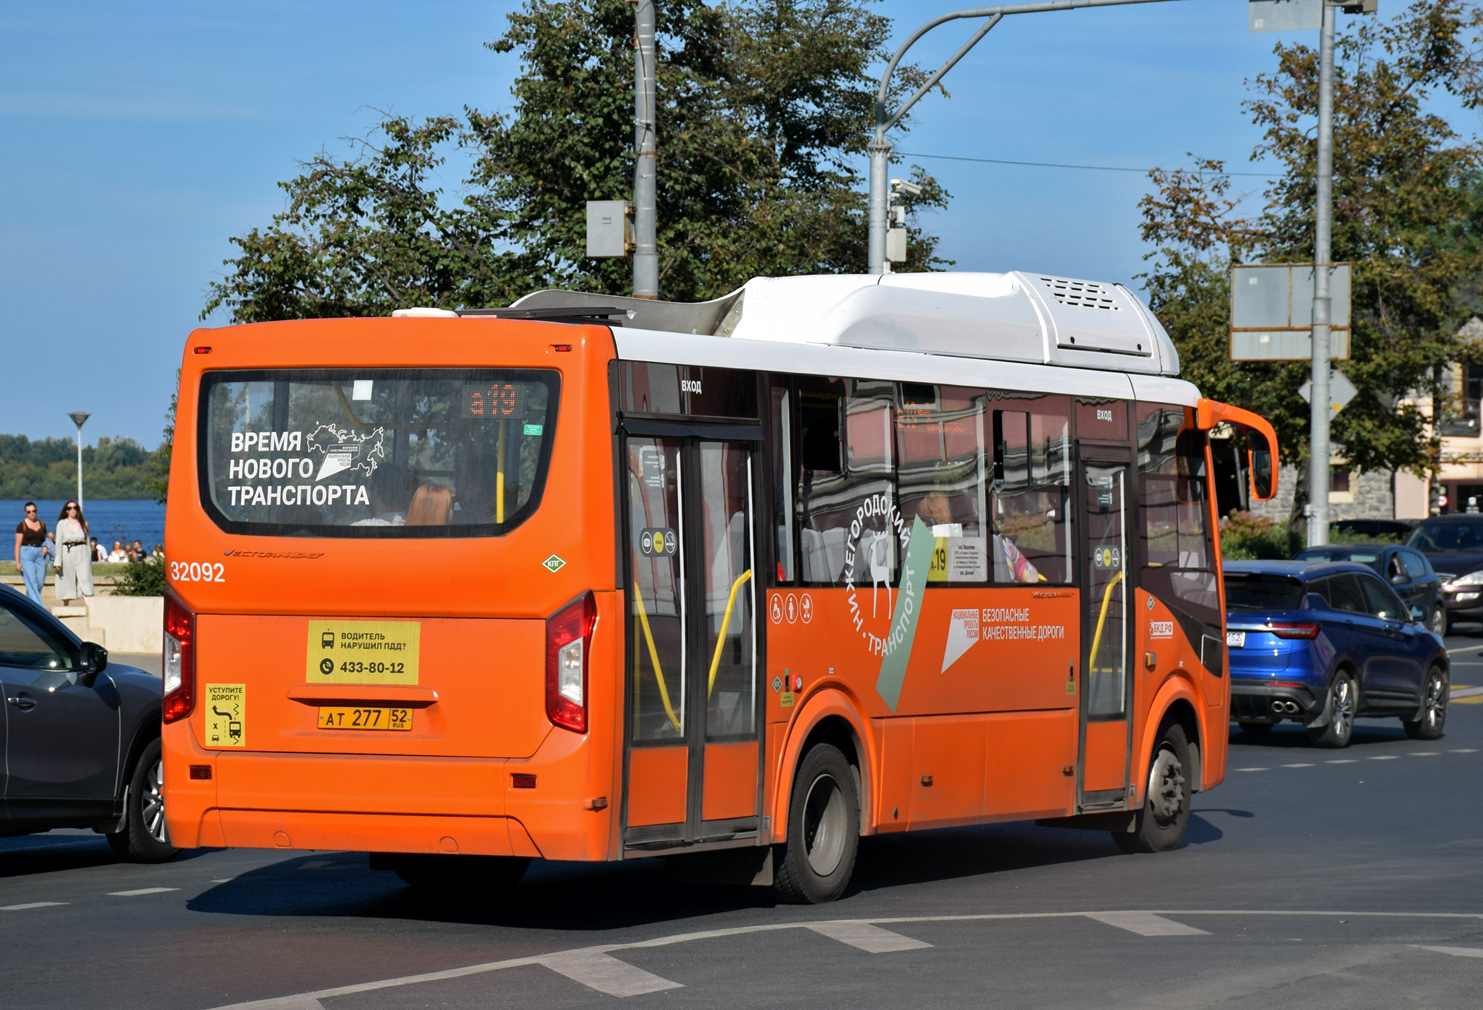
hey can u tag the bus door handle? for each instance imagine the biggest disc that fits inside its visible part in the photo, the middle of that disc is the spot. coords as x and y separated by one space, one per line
398 695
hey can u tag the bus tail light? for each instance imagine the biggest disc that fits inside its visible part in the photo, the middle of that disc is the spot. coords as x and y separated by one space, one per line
180 659
568 640
1294 629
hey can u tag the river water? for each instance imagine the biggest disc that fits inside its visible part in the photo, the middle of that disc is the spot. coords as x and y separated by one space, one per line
124 519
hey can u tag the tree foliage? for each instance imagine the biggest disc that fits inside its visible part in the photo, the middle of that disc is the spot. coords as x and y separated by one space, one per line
763 107
47 468
1406 215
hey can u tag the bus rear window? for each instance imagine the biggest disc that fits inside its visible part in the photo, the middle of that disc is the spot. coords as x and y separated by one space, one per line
375 452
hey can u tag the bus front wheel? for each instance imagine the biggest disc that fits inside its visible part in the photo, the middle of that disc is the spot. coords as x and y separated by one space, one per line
823 830
1160 825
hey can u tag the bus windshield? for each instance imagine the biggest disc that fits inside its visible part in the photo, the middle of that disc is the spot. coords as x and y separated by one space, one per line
375 452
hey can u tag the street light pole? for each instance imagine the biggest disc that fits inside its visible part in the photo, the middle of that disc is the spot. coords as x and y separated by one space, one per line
879 148
645 228
1318 462
78 417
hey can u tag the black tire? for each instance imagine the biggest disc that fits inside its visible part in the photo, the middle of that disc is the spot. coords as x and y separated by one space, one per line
1160 825
145 838
1257 728
468 875
1436 621
1433 707
816 862
1343 703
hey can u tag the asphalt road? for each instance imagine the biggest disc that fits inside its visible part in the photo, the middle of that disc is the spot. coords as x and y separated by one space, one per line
1326 879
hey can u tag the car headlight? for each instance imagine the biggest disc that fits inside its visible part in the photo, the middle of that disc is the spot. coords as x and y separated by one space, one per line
1470 579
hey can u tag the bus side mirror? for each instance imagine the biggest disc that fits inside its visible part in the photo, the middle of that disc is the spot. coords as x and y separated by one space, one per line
1260 466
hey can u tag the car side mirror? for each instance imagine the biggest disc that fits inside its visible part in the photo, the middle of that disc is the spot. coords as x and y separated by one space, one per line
1417 615
1399 579
91 661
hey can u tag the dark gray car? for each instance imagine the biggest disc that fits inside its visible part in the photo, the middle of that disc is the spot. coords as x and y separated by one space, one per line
81 737
1406 569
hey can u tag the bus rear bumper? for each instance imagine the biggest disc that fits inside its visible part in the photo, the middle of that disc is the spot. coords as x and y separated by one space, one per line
383 804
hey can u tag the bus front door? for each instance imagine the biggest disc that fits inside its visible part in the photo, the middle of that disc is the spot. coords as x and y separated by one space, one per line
1106 707
692 757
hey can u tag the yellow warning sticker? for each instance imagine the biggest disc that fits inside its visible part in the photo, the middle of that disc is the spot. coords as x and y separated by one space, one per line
226 715
362 652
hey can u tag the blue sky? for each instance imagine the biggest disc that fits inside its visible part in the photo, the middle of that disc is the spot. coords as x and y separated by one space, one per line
140 136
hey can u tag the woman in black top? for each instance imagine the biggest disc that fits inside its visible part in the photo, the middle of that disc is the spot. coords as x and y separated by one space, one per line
30 551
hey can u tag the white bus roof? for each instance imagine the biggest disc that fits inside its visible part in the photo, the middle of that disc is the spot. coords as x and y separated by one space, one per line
1029 317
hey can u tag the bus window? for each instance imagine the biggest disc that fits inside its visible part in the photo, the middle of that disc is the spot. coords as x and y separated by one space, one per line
1178 550
656 607
942 476
343 454
783 479
726 551
1031 505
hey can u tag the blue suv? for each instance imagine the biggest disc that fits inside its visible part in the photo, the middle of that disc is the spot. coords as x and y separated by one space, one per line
1323 643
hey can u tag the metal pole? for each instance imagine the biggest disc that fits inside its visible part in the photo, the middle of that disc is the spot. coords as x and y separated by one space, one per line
645 247
1318 463
879 147
78 418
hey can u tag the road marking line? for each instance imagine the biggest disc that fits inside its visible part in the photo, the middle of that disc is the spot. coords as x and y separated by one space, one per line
1425 753
1343 761
606 973
869 938
1146 924
29 905
1465 692
141 890
1253 769
1300 765
1383 757
309 1000
1455 951
224 880
1463 750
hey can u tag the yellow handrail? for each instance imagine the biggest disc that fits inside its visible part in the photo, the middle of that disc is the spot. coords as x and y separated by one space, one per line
1101 619
638 598
710 683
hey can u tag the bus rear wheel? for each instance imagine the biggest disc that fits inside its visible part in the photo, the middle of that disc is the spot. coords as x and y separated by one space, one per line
1160 825
823 830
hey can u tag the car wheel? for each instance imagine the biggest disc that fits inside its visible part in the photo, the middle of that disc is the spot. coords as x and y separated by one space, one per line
1343 704
823 830
1160 825
1436 622
1433 707
145 838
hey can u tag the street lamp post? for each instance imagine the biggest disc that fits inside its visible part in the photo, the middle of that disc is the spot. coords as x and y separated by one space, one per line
1318 462
879 148
77 418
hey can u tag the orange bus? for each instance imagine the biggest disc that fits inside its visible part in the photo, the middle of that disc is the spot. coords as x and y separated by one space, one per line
735 583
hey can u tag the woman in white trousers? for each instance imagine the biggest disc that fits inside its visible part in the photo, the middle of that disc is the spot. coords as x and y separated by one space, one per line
74 558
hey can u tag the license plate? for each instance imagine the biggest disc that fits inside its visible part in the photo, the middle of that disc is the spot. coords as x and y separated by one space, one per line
1234 640
338 717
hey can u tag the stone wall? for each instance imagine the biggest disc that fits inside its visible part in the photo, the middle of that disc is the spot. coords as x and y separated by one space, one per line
1372 496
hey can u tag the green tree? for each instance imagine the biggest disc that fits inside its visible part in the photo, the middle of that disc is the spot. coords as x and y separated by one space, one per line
1406 214
47 468
160 485
763 107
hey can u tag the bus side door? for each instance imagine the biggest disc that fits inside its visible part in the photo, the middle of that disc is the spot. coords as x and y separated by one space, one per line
1106 691
693 760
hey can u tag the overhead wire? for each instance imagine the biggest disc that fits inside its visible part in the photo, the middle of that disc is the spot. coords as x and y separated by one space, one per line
1055 164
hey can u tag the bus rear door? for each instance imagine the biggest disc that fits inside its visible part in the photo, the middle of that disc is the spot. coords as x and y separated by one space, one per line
692 746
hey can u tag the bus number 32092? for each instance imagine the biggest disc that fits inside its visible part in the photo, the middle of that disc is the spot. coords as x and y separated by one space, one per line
193 571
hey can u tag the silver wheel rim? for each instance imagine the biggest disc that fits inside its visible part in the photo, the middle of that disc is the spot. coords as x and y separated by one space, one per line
1438 624
152 805
1436 700
824 825
1166 786
1343 717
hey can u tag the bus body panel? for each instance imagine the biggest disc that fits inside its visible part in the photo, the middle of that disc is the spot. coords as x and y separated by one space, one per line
480 604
